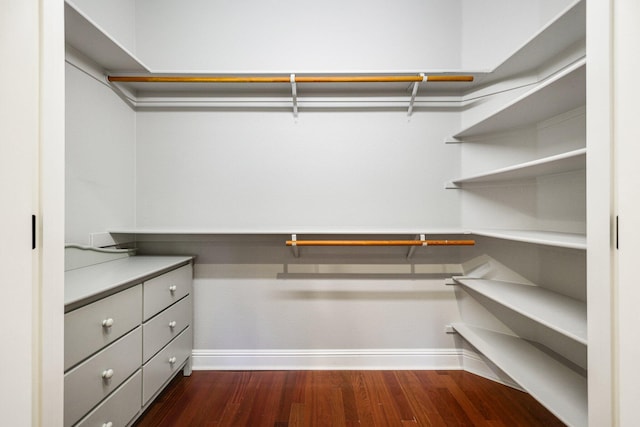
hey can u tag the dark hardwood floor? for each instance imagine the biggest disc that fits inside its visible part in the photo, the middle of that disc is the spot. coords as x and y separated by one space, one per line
342 398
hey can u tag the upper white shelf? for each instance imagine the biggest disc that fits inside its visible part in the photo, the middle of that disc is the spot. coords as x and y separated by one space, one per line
559 93
563 240
559 388
560 163
88 38
549 238
290 231
560 313
83 34
566 30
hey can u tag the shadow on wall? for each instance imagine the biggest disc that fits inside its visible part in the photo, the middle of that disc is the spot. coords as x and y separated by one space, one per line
363 295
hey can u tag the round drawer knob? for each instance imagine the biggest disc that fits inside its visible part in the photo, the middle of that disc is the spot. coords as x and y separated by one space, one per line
172 324
172 360
109 424
173 288
106 375
107 323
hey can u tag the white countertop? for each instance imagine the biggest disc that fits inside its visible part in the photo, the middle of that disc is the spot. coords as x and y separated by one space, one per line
88 284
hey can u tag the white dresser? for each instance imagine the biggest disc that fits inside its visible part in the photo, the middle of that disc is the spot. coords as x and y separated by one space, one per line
127 333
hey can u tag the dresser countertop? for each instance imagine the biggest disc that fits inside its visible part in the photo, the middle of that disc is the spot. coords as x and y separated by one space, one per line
88 284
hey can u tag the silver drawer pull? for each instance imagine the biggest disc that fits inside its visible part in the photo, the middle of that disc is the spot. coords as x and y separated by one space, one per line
173 288
107 323
109 424
106 375
172 324
172 360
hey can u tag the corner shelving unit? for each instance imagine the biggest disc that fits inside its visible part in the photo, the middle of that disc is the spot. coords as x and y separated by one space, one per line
557 386
553 368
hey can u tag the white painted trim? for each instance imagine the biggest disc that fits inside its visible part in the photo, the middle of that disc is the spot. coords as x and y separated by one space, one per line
363 359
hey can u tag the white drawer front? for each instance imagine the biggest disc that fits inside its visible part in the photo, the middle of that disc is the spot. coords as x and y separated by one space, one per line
89 328
162 291
119 408
85 385
165 326
164 364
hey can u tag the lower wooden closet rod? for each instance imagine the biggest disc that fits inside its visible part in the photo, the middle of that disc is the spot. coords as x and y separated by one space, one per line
381 242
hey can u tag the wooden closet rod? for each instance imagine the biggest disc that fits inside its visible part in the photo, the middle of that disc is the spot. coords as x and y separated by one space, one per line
381 242
287 79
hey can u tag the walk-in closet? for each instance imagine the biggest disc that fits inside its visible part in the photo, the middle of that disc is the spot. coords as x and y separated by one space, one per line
280 187
221 134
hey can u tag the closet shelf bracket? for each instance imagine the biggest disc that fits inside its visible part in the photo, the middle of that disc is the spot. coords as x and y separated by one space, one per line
294 245
414 92
412 249
294 95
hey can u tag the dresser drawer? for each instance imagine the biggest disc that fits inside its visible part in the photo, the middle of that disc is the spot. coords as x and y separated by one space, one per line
162 291
119 408
164 364
157 332
89 328
91 381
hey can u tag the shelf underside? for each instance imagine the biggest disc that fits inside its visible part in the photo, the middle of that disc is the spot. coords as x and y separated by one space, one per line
554 384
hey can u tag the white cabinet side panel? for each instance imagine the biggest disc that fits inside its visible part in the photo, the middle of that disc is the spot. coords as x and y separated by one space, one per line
100 151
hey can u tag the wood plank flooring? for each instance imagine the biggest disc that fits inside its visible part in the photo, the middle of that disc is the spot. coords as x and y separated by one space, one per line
342 398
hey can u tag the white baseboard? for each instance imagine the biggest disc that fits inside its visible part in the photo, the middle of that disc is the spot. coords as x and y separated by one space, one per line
361 359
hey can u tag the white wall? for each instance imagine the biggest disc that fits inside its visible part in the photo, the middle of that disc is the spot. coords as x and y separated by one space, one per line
100 158
265 171
257 306
298 36
493 29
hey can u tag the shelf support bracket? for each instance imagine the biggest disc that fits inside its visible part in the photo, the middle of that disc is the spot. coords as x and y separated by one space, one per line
412 249
294 94
415 92
294 246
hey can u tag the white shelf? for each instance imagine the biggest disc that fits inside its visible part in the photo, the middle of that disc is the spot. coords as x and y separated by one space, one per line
289 231
565 315
565 240
87 37
565 162
567 30
559 93
559 388
549 238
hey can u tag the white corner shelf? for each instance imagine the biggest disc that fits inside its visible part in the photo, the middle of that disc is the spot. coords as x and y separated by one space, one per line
548 238
559 93
555 385
560 313
560 163
88 38
559 35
